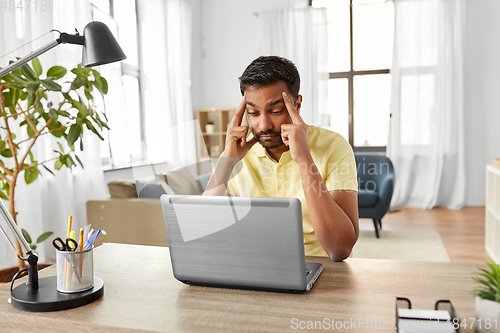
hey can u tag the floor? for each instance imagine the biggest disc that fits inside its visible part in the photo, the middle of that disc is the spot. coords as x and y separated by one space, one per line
462 231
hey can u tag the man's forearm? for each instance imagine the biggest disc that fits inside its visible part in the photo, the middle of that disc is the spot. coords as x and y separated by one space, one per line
217 186
335 230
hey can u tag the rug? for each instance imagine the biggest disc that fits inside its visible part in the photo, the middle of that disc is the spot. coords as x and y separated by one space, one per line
401 245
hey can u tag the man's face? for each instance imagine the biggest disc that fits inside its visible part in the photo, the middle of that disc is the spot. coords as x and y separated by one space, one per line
266 113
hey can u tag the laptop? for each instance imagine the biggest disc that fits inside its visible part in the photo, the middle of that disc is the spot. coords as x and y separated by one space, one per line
238 242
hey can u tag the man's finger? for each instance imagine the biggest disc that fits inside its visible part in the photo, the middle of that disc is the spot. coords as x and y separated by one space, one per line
292 111
244 137
238 115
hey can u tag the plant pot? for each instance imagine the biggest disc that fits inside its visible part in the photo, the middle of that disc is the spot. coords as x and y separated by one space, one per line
209 128
7 274
487 316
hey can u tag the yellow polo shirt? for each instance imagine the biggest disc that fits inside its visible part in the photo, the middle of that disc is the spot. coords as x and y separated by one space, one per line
259 175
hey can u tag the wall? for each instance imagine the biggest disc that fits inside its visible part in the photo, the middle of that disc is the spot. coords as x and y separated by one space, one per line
482 88
230 40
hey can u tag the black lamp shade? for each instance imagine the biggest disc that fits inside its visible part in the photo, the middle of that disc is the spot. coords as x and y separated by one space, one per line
100 46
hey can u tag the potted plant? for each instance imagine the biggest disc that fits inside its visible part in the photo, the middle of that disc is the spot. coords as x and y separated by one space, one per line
209 127
40 104
488 298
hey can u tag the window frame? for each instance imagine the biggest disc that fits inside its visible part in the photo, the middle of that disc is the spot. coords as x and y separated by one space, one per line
133 71
349 75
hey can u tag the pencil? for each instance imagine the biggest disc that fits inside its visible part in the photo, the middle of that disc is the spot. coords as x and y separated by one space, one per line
81 249
67 267
70 221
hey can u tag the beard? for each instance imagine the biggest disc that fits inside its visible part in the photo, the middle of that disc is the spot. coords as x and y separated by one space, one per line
275 142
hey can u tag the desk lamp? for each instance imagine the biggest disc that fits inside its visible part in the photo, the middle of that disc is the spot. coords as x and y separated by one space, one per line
99 47
41 295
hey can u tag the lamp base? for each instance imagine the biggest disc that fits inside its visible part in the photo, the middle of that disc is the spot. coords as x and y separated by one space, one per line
47 298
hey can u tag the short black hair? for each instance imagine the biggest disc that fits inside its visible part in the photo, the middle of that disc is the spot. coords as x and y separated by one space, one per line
268 70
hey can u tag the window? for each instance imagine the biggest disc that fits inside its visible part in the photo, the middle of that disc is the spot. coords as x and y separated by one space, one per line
122 145
360 36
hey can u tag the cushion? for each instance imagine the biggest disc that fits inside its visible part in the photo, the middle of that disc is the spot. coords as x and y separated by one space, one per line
122 189
182 182
152 188
203 180
367 198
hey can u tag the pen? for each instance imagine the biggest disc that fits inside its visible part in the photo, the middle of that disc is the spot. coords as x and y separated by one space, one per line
91 240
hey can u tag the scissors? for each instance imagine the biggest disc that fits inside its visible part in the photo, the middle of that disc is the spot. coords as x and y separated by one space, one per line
65 246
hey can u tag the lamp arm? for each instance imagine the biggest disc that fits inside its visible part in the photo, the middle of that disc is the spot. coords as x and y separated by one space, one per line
14 228
63 38
31 56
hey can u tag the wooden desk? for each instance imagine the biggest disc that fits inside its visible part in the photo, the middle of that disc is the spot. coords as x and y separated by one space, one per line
141 294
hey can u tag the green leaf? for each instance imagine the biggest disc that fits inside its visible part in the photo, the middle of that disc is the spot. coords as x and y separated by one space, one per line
37 66
58 165
102 85
52 113
48 170
26 235
72 147
44 236
74 133
77 83
60 147
19 79
67 96
31 99
81 71
32 88
3 196
80 162
88 95
81 145
29 73
57 72
77 105
32 159
31 132
92 128
31 175
6 152
51 85
69 161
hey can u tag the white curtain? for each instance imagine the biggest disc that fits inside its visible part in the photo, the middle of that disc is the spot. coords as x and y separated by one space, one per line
46 204
301 36
426 142
166 81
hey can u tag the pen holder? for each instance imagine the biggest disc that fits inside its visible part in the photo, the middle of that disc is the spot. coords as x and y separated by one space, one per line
75 270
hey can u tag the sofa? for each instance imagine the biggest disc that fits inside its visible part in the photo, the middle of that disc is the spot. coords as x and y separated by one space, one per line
132 213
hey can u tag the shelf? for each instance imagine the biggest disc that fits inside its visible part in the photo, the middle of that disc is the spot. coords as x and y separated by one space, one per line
492 223
212 144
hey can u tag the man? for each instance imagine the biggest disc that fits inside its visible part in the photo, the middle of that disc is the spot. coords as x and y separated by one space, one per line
292 159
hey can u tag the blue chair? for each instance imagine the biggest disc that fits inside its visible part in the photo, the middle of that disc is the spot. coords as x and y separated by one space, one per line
375 187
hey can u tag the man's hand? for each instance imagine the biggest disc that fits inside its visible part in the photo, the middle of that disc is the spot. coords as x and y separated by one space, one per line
237 145
295 135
